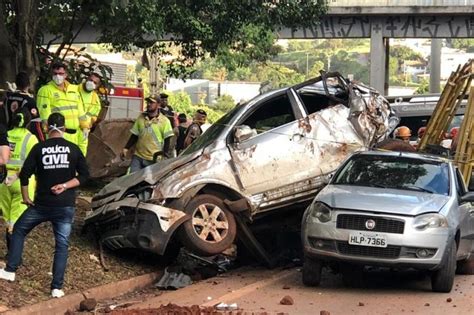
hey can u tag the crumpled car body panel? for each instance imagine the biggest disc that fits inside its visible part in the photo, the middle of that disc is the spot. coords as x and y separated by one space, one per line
284 162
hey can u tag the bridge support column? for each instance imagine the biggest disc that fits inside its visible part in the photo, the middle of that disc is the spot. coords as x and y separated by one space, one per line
377 57
435 65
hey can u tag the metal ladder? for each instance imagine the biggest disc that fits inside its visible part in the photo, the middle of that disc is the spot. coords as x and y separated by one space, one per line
457 86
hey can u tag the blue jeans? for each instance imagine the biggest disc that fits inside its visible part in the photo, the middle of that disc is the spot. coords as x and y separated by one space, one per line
61 219
138 163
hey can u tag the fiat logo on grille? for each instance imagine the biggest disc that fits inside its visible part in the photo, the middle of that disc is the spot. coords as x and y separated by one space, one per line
370 224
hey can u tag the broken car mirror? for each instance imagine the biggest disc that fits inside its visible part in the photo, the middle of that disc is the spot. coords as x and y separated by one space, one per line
243 133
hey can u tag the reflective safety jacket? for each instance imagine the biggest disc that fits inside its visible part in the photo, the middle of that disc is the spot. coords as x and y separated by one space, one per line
21 142
151 135
51 99
91 102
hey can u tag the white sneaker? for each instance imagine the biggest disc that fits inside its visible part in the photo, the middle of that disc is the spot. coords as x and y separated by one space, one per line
57 293
7 275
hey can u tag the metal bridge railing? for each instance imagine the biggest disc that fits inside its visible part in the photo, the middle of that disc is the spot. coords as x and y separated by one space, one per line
379 3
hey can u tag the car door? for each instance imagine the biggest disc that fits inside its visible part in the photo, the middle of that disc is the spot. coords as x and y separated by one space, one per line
466 212
273 161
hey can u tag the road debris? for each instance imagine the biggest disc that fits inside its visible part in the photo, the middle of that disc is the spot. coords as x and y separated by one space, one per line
172 280
449 300
427 304
361 304
190 267
87 305
287 300
324 313
226 307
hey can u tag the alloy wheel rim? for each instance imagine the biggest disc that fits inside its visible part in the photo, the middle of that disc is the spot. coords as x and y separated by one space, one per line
210 223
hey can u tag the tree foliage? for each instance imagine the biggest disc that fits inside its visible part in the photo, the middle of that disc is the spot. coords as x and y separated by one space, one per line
241 29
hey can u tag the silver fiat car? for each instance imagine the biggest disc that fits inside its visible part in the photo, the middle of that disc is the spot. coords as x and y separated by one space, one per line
394 209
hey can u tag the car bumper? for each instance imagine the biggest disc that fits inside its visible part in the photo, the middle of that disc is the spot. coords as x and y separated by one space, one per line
130 223
327 242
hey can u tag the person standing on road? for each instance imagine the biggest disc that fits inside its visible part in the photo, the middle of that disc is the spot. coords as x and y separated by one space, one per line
21 141
91 102
19 99
151 133
59 167
168 111
181 132
60 96
194 130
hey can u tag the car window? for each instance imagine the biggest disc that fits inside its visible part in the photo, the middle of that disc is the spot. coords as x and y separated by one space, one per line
314 96
395 172
213 131
271 114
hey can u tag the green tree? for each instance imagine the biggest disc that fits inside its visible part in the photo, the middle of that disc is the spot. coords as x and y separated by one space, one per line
224 103
195 28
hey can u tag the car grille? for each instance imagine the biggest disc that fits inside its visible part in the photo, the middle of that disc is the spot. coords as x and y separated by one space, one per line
379 252
357 222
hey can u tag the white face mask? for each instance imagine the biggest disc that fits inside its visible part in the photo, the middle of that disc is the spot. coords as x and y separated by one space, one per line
90 86
58 79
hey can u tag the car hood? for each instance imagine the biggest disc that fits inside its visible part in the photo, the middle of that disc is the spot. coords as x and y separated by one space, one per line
150 175
384 200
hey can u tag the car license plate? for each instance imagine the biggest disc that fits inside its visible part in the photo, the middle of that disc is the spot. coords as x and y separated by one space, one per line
366 239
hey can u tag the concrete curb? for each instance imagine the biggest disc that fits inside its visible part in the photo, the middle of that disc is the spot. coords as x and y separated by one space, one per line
71 301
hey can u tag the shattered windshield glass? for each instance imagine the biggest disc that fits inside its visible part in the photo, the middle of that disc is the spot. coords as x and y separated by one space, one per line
395 172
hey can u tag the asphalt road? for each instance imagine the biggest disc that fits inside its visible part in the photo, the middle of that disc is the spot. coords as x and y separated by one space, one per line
260 290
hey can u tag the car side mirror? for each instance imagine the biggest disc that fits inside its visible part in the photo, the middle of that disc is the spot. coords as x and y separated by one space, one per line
468 197
242 133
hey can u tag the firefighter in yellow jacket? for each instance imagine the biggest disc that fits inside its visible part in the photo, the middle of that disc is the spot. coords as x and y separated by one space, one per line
21 141
60 96
91 102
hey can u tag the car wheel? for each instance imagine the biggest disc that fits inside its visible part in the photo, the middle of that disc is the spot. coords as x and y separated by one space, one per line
465 267
442 279
312 272
395 145
211 229
353 275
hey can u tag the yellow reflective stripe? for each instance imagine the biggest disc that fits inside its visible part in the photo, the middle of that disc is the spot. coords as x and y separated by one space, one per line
22 159
23 147
61 108
155 138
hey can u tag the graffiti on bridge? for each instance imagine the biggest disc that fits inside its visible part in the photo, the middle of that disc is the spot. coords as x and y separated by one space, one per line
390 26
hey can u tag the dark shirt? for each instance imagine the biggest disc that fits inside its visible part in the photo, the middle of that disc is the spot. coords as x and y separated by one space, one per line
3 135
169 112
180 139
54 161
17 100
3 142
194 130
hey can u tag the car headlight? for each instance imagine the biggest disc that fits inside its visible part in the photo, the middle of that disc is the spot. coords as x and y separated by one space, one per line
430 220
320 211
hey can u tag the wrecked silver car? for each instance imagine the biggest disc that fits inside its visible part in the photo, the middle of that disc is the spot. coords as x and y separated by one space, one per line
271 153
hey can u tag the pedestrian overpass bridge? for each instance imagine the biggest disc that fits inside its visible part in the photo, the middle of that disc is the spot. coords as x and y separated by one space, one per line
380 20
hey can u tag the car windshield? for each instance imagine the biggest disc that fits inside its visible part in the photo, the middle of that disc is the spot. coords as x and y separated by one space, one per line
395 172
212 132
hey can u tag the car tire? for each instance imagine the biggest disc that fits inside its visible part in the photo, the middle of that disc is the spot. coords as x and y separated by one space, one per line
395 145
311 274
211 229
442 280
465 267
